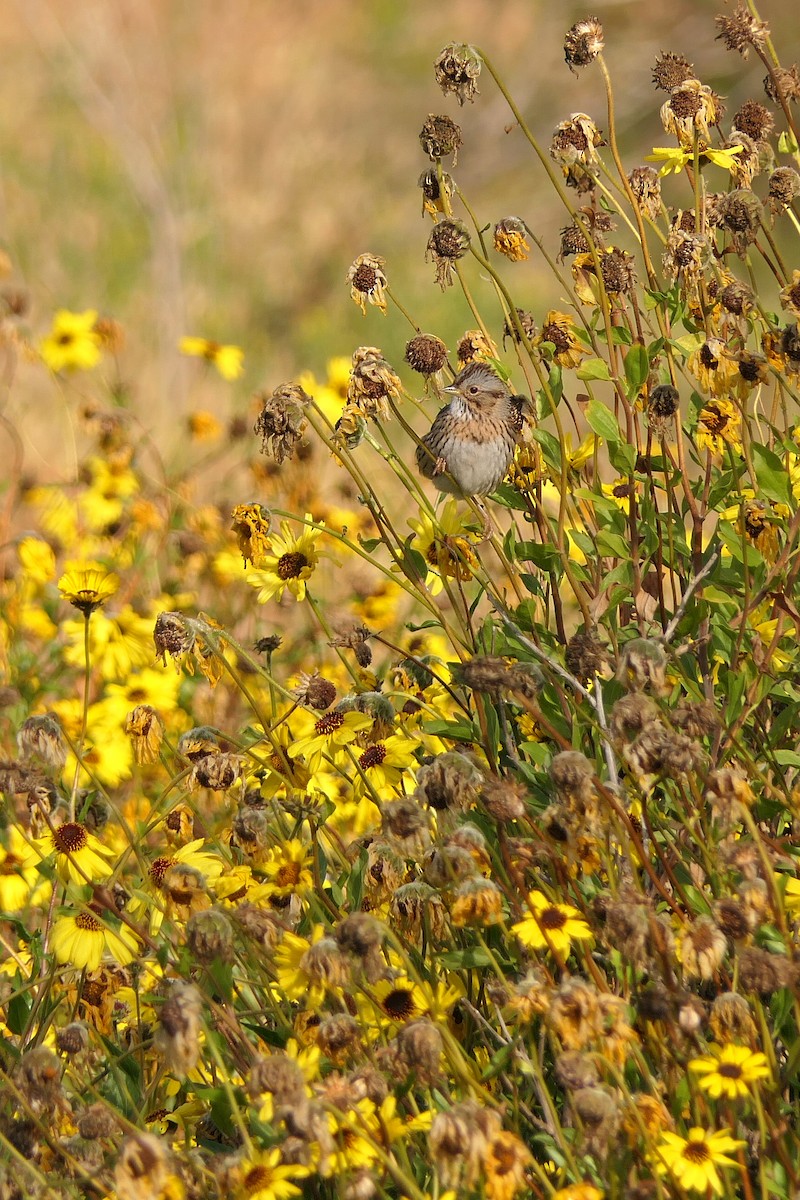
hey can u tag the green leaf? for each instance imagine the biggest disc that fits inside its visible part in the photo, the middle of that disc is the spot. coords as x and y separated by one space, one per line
773 481
473 956
456 731
551 448
637 368
787 143
622 456
593 368
546 557
612 544
602 421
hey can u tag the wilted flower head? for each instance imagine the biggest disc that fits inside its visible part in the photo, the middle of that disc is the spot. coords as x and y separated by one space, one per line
42 737
575 141
143 726
178 1036
742 31
251 524
373 382
142 1168
426 354
367 281
642 664
740 212
440 136
282 422
509 239
783 187
783 82
754 120
433 201
583 43
457 70
449 241
691 108
671 70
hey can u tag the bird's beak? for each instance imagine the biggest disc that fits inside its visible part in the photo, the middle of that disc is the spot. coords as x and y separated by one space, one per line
453 388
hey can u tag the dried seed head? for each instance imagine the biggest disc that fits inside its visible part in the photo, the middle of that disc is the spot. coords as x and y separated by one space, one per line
282 422
762 972
338 1036
526 324
474 346
509 239
359 934
585 656
440 136
477 902
783 82
315 691
426 354
257 923
367 282
459 1138
661 751
597 1111
325 963
576 1070
671 70
417 1049
691 1015
432 200
697 718
415 906
617 270
691 109
457 70
703 947
732 1021
178 1036
143 726
267 645
572 774
664 402
72 1039
373 382
142 1168
97 1121
41 738
573 241
406 825
504 799
737 297
575 141
209 936
449 241
790 345
783 187
451 782
279 1076
732 919
742 31
741 212
642 664
217 772
754 120
583 43
38 1076
171 636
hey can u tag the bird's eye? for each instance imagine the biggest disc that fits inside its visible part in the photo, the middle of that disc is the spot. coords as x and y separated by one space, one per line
473 391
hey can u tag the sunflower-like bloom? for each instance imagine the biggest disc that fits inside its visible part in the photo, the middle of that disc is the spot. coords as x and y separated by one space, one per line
291 560
446 543
719 423
82 940
80 857
73 343
559 329
551 926
229 360
730 1070
693 1161
87 586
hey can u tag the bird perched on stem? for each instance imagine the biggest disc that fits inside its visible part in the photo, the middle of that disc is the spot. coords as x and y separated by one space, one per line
471 442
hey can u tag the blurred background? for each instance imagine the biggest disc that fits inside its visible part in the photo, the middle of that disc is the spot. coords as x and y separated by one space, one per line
188 166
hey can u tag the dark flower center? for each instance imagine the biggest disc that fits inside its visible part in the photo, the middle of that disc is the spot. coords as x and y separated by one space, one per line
70 837
551 918
365 279
697 1152
329 723
86 921
373 756
399 1004
288 875
730 1070
714 420
291 565
159 869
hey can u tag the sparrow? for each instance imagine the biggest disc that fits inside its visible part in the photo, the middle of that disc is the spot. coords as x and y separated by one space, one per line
471 442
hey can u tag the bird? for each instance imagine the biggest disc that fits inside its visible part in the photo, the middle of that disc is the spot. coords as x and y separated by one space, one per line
470 444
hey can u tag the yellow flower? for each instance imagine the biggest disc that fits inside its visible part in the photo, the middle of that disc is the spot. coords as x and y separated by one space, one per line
673 158
79 855
289 869
791 896
291 561
251 524
718 425
83 940
227 359
551 926
118 645
329 735
729 1070
204 426
18 875
560 331
73 343
504 1162
578 1191
262 1177
382 764
693 1161
446 543
87 586
37 560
